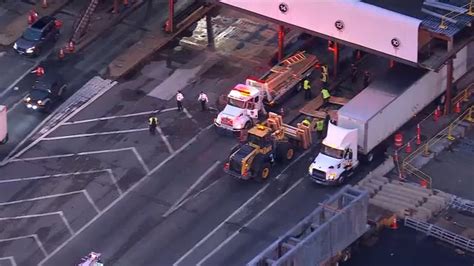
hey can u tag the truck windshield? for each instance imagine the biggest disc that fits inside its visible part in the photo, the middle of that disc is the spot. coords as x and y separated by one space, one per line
237 103
332 152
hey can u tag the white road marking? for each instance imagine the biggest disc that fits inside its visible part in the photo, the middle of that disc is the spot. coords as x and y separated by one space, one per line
140 159
13 84
105 118
114 180
179 202
15 104
84 192
165 140
60 213
133 187
227 240
96 134
188 114
11 259
35 237
240 209
76 111
43 157
200 192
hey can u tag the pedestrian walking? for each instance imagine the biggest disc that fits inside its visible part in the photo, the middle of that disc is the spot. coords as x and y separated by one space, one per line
203 100
179 100
152 124
366 78
307 88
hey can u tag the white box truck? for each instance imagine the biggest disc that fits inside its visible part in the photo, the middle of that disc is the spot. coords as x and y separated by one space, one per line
367 120
3 125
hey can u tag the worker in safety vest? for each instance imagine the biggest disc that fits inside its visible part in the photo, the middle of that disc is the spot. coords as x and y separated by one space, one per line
152 124
307 88
203 100
325 94
179 100
306 122
320 128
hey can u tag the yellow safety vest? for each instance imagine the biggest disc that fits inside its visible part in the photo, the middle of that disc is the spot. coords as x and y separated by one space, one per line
319 125
325 93
306 85
153 119
306 122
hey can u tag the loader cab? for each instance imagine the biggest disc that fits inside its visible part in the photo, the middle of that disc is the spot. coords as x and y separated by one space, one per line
260 138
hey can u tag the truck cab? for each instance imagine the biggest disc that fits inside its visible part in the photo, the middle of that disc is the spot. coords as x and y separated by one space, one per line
337 158
244 103
3 125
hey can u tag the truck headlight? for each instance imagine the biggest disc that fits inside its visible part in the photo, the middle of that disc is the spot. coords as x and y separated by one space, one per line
40 102
30 50
27 99
15 46
331 176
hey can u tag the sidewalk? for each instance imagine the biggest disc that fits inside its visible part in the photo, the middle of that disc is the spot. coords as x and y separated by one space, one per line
9 33
151 42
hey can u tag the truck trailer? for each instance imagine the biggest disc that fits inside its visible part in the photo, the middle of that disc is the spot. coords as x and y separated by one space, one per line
367 120
246 101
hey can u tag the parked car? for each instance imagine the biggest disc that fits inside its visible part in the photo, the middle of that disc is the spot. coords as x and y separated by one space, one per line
45 93
37 36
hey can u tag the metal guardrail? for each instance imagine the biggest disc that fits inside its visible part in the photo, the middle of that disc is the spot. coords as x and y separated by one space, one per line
424 149
462 204
440 233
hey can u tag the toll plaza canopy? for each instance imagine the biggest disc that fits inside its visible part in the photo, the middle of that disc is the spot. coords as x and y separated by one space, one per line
416 32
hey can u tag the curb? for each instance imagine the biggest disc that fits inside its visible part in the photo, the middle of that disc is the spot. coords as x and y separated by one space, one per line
162 41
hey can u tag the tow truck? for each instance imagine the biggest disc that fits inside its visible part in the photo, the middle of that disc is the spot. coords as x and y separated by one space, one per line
267 144
245 102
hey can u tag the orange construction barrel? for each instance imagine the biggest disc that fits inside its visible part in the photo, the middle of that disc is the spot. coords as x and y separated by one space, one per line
398 140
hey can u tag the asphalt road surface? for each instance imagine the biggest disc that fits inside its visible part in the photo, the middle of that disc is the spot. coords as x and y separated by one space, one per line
168 201
100 181
76 69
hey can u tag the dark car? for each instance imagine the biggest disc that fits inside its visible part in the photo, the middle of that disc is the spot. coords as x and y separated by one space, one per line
45 94
37 36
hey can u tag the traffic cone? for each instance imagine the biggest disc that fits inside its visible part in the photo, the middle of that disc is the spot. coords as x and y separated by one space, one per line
437 113
44 4
457 108
394 224
61 54
424 183
408 148
418 134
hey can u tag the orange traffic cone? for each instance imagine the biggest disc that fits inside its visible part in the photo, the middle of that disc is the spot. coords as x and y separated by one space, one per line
437 113
408 148
457 108
61 54
418 134
394 224
44 4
